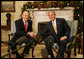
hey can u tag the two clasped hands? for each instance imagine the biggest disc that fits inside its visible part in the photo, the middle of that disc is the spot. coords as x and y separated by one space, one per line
32 34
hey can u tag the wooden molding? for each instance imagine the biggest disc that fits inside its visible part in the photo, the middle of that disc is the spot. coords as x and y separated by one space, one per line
6 27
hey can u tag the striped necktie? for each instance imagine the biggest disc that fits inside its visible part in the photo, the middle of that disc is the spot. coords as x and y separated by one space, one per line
54 26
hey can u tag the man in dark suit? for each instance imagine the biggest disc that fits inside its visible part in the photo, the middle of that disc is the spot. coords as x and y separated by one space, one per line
23 32
59 30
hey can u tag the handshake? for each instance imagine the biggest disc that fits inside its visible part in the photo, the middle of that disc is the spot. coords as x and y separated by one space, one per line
35 37
32 34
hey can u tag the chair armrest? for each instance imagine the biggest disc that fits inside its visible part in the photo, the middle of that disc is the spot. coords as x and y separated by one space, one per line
11 34
55 45
72 42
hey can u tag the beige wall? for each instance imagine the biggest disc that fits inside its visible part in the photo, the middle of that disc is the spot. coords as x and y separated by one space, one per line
14 16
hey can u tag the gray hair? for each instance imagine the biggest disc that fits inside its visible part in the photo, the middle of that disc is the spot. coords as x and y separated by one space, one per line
52 12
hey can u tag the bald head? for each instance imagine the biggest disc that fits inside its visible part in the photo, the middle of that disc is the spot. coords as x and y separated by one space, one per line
52 15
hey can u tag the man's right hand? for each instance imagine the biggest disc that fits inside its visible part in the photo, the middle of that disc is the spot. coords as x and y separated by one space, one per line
32 34
37 39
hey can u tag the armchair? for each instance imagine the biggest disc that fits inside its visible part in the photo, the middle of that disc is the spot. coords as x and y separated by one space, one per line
72 40
20 44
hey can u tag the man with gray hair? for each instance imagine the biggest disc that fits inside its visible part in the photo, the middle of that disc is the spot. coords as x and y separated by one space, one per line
59 31
23 33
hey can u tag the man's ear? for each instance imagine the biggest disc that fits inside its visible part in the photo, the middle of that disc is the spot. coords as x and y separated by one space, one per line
22 15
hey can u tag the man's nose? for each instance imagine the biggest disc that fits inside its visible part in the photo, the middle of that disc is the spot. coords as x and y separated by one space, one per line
26 17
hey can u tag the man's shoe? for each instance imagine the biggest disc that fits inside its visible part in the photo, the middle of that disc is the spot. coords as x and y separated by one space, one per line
52 57
26 52
13 53
18 56
49 56
22 56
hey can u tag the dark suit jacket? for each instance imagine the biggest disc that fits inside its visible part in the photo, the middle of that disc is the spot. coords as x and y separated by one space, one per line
20 28
62 29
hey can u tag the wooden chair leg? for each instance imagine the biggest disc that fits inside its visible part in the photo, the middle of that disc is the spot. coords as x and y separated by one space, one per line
9 52
9 47
33 52
69 53
79 49
75 51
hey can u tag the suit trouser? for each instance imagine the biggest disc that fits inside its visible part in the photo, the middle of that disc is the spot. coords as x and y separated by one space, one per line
62 46
19 41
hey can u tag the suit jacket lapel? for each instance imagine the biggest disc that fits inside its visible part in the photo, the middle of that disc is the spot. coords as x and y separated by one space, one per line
23 24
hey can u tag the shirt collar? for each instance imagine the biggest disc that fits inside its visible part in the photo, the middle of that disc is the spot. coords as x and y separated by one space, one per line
54 20
23 20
